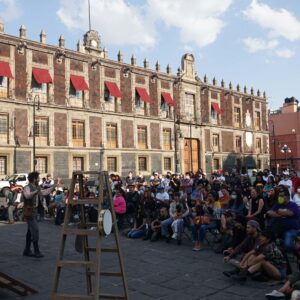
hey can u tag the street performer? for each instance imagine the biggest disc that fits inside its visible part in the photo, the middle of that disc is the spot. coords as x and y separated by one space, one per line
31 194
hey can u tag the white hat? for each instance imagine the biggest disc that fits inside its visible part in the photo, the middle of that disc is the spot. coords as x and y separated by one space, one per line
60 189
285 173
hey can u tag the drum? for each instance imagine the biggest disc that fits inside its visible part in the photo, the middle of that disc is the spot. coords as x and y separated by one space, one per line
105 221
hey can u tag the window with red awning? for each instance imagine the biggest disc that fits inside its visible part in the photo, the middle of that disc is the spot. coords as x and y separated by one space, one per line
5 70
79 83
143 94
41 75
113 89
167 98
217 108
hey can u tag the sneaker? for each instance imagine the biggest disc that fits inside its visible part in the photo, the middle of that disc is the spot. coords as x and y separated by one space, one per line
275 295
174 236
196 249
234 262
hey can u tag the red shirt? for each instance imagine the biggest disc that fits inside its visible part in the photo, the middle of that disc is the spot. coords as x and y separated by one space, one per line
296 183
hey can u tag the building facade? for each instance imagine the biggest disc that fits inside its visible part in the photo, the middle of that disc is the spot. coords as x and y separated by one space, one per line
92 112
284 127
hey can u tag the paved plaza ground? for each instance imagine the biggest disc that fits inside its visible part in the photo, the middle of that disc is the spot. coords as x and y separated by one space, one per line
154 270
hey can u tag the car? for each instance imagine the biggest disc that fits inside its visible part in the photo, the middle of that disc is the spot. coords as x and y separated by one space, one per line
19 179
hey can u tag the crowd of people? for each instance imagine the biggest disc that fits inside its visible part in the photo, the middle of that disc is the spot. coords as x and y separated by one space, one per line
253 220
250 219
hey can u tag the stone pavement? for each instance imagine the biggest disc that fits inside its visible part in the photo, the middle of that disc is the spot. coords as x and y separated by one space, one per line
154 270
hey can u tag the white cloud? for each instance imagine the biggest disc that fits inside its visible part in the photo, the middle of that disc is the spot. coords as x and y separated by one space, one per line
278 22
285 53
116 20
10 10
120 22
254 44
199 22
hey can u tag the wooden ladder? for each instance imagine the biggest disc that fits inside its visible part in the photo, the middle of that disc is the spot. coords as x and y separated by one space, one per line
14 285
83 231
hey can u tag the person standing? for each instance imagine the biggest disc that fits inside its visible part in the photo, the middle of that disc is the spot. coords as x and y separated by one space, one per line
31 194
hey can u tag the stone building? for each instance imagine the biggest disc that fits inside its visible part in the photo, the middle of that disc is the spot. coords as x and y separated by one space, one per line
285 136
93 112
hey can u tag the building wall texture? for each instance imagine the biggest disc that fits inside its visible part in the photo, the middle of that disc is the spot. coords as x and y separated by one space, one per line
64 151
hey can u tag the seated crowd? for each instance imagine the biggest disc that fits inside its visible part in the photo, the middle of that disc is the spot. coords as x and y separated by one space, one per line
252 220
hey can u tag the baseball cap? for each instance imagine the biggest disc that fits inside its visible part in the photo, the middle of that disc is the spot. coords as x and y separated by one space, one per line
254 224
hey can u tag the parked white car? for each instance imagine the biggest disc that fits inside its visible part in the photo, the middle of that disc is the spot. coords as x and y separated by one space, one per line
19 179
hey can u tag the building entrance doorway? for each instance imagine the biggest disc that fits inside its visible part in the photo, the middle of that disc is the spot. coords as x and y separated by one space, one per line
191 155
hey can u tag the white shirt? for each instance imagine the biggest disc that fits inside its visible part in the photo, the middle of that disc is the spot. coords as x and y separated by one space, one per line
287 183
296 199
162 197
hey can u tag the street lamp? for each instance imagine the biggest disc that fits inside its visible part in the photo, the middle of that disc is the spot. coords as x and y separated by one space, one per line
36 107
274 142
285 149
17 144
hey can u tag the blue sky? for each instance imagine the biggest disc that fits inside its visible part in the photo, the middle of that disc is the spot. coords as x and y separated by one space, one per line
250 42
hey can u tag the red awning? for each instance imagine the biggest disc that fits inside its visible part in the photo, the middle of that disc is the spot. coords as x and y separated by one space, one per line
5 69
143 94
113 89
217 108
41 76
79 83
168 99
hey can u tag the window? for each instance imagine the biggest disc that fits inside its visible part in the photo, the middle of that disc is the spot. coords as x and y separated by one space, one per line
78 164
167 139
142 137
216 143
41 131
111 135
258 145
3 87
73 93
163 104
78 133
257 120
3 165
237 117
189 106
41 164
238 144
112 164
167 163
216 164
213 115
142 163
107 96
139 103
38 87
3 129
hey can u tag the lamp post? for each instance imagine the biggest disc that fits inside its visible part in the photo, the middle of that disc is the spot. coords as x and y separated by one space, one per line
16 141
274 142
36 106
285 149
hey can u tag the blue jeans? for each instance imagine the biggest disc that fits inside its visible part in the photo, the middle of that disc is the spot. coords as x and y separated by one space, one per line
204 228
289 240
165 226
137 233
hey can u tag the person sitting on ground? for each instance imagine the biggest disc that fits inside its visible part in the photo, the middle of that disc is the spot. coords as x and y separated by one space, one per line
292 284
154 182
285 218
266 258
249 243
209 220
140 225
165 225
187 184
296 198
11 196
154 232
162 197
286 182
